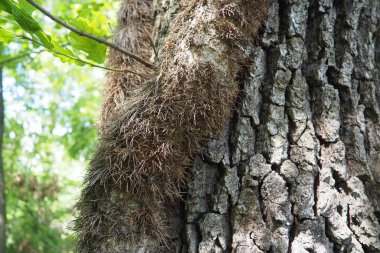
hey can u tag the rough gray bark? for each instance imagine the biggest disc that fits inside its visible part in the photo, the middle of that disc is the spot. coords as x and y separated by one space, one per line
298 166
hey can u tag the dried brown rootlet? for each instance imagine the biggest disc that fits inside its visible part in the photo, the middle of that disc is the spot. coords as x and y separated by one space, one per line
134 30
152 129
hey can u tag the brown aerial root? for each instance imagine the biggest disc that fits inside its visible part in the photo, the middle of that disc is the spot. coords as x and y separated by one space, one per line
151 129
133 32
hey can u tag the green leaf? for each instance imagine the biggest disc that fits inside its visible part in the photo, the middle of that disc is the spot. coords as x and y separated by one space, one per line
44 39
26 21
95 50
22 17
5 6
66 56
6 36
27 7
6 19
5 57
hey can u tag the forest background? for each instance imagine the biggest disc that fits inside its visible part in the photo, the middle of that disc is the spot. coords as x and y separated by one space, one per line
52 93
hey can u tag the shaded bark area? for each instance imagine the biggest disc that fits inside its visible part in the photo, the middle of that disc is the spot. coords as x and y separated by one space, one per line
2 186
297 168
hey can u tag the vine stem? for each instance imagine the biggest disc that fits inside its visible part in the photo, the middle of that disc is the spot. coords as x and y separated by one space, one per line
78 59
14 58
90 36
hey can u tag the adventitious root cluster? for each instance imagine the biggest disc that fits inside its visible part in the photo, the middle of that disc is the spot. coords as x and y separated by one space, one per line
134 29
150 129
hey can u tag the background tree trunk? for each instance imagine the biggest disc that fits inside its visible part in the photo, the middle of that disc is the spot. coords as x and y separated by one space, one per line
2 186
298 166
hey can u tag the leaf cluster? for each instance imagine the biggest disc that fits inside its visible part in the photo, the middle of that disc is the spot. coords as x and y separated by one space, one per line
19 25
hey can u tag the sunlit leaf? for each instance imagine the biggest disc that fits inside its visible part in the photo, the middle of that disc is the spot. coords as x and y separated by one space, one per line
5 36
4 57
22 17
64 55
96 51
26 22
27 7
44 39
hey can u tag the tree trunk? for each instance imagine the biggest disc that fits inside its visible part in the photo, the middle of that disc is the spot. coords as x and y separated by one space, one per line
2 186
297 166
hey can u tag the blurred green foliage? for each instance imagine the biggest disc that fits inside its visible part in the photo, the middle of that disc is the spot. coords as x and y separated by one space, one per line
51 105
73 48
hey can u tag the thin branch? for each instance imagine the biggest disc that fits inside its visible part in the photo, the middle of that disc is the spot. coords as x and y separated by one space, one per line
80 60
91 36
14 58
17 57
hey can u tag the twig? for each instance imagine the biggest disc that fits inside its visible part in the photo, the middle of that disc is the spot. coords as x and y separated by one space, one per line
3 62
91 36
80 60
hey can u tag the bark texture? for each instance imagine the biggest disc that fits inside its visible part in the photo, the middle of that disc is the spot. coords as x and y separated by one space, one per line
297 165
151 129
297 169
